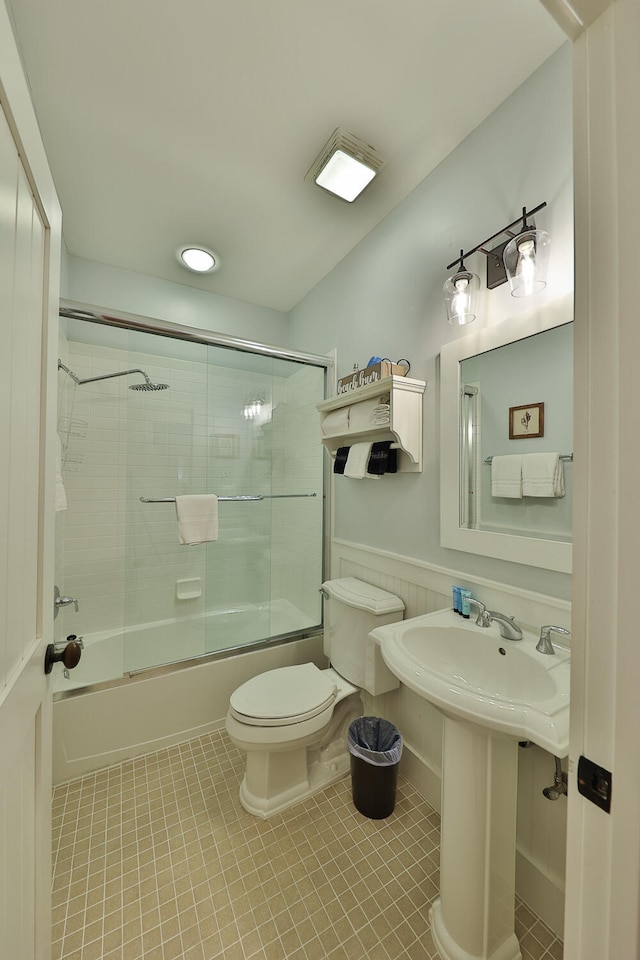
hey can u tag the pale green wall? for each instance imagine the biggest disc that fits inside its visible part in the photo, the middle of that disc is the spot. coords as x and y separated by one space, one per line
385 298
105 286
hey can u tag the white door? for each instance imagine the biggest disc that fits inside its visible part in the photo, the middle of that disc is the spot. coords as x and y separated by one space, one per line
29 270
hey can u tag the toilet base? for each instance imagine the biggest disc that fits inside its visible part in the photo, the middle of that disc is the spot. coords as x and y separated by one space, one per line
277 780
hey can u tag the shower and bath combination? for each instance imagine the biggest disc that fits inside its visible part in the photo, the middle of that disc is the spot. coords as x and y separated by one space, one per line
146 386
147 601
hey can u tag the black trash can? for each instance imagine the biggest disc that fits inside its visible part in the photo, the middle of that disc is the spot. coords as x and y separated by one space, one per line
375 746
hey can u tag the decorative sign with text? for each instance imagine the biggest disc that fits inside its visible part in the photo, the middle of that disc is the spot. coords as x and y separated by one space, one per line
361 378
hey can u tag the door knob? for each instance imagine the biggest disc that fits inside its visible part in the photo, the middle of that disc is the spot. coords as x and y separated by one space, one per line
68 653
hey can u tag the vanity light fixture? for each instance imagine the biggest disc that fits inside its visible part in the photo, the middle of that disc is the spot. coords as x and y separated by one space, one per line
522 259
461 295
345 165
198 259
526 258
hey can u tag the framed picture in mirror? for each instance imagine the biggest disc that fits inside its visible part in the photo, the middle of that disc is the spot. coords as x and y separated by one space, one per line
526 420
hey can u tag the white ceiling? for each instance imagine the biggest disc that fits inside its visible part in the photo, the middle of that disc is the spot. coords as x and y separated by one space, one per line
196 121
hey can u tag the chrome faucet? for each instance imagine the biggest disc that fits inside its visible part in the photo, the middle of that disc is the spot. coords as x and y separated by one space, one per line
544 644
509 629
482 618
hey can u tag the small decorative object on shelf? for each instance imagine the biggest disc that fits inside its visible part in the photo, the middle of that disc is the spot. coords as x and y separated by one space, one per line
371 374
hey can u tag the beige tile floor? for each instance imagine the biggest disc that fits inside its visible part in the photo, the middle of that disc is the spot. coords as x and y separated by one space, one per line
156 859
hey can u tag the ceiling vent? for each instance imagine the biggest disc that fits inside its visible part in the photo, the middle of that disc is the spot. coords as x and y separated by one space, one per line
359 157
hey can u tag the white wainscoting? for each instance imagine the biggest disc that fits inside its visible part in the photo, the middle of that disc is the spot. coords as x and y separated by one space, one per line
541 834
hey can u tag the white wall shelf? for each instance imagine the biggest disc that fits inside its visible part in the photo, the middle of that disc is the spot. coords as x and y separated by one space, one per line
346 419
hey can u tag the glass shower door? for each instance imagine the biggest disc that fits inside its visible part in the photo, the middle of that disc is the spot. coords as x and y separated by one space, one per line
263 435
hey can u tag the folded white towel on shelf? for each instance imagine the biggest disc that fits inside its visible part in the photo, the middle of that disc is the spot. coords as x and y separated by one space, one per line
542 475
506 476
381 414
61 496
361 416
197 518
357 462
336 422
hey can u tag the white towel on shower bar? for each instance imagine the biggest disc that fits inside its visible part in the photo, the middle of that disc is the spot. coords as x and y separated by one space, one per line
506 476
197 518
61 496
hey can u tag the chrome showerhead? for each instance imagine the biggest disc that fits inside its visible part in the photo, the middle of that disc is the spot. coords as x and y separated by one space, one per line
147 385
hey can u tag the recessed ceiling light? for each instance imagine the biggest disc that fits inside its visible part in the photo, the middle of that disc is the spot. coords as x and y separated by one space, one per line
198 259
345 165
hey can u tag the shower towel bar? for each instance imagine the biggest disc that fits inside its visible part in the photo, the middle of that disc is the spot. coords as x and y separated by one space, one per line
259 496
563 456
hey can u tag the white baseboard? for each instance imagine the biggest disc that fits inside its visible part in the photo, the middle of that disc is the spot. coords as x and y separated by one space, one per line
423 777
541 892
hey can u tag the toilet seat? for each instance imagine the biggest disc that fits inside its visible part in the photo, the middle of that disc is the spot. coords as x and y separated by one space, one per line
284 696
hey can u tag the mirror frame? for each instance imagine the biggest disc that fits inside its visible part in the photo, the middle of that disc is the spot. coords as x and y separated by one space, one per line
548 554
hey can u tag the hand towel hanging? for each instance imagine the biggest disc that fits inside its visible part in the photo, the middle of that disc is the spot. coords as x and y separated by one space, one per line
340 461
542 475
506 476
357 461
383 459
197 518
61 496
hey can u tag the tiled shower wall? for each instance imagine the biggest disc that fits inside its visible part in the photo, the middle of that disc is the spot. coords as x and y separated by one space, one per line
121 558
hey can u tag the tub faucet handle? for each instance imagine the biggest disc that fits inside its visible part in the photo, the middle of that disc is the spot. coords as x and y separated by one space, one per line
60 601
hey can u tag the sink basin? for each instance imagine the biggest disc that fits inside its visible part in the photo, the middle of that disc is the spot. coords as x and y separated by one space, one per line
472 673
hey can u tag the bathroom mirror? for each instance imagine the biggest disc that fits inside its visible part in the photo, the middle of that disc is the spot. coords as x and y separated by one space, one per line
508 389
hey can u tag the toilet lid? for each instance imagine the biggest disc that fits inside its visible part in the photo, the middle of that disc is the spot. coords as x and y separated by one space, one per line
285 695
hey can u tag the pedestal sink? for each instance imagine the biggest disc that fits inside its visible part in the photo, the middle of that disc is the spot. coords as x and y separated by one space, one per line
493 692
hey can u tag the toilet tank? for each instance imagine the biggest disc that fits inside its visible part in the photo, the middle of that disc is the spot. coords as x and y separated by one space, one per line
352 609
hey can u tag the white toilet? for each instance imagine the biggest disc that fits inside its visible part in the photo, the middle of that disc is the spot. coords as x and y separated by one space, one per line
293 722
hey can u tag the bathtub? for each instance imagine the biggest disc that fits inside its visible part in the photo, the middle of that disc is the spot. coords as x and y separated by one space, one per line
110 655
97 726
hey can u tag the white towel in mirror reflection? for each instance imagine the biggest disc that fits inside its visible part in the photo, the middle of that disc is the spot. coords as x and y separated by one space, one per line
542 475
527 475
506 476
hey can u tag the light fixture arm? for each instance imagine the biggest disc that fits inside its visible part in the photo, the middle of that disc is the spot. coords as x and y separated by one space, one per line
505 230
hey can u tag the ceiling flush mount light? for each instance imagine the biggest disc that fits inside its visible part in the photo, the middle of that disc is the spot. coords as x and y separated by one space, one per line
522 260
345 165
461 294
198 259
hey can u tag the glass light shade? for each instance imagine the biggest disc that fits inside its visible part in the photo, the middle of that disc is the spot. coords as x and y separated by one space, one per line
198 259
526 259
461 297
345 176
